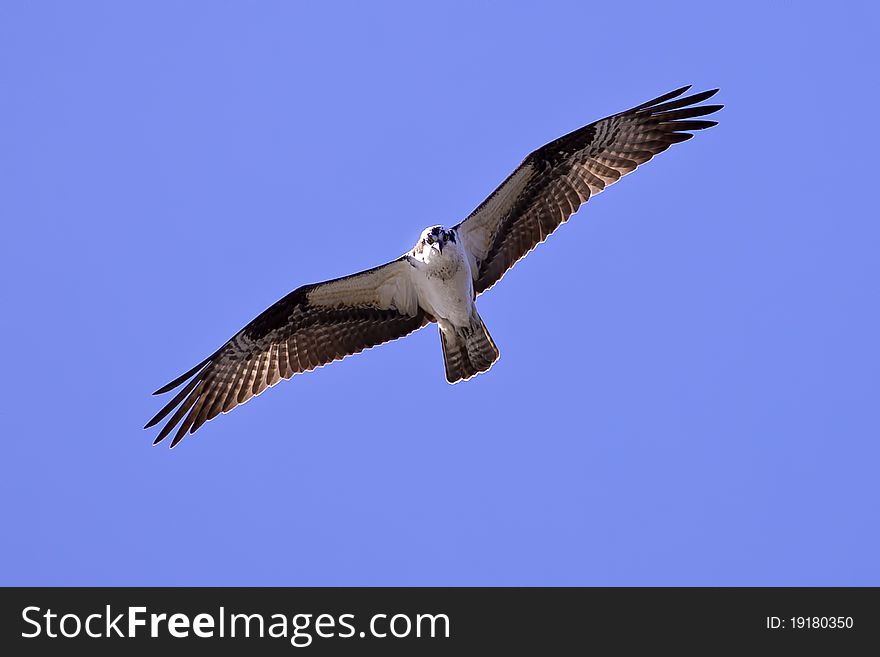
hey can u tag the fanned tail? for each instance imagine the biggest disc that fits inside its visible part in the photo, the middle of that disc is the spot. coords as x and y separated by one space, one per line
467 350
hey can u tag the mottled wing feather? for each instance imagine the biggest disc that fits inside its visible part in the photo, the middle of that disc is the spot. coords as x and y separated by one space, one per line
555 180
310 327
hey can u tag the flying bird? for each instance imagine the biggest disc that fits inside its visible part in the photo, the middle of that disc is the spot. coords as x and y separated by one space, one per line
440 278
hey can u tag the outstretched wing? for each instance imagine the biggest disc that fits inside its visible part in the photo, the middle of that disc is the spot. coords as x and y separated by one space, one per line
552 183
310 327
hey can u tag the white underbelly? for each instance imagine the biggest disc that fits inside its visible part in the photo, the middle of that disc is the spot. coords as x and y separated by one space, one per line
449 301
448 298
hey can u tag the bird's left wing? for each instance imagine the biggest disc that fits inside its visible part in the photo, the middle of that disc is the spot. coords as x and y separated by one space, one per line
552 183
310 327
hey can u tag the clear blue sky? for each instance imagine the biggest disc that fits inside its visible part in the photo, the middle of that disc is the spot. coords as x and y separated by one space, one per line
689 386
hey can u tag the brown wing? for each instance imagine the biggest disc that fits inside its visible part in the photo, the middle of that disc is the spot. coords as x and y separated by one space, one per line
552 183
310 327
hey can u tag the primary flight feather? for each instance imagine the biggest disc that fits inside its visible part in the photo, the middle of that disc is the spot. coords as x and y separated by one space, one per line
440 278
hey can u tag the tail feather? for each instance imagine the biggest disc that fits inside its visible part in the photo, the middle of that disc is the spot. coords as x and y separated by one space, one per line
467 350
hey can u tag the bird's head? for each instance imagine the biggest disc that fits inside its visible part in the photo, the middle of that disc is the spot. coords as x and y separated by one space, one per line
434 240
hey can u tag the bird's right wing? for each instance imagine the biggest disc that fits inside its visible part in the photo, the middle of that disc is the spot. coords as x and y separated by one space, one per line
310 327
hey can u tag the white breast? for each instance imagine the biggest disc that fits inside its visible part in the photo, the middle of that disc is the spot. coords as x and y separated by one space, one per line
445 285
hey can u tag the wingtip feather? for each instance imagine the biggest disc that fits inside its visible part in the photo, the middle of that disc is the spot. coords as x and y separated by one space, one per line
662 99
181 433
168 387
677 92
711 92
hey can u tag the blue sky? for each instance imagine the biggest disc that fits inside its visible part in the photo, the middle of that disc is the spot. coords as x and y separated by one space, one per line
690 372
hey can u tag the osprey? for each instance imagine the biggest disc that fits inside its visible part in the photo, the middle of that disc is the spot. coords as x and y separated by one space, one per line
441 277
